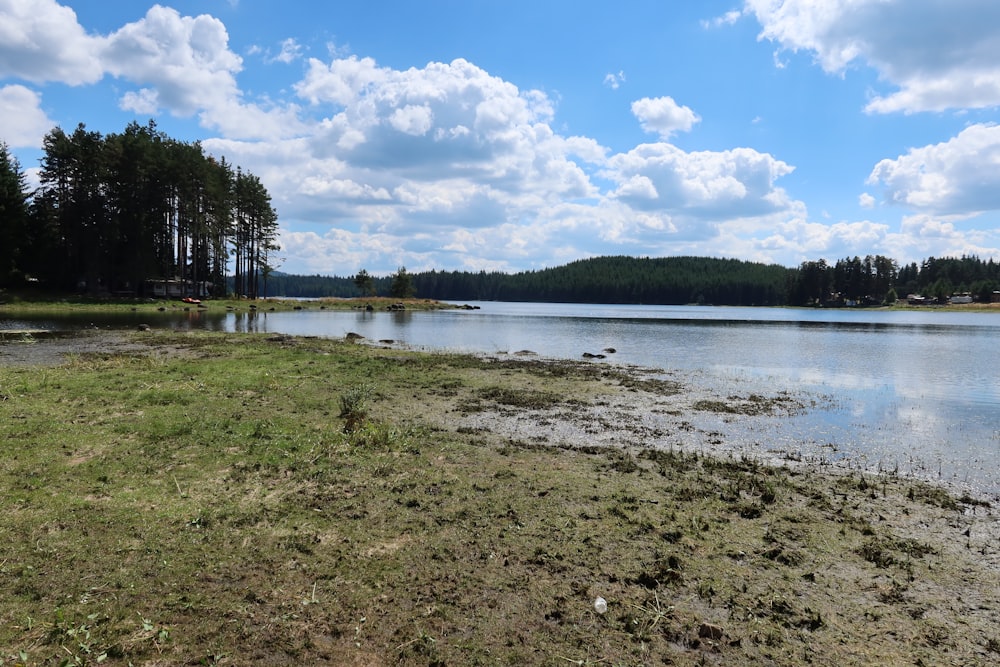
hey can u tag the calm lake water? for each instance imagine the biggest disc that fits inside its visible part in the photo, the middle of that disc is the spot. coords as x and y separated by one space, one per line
913 391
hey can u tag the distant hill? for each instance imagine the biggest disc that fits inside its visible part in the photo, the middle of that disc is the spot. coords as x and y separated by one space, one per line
620 279
871 280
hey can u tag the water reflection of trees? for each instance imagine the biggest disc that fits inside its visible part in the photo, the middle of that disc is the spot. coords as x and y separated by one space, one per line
252 321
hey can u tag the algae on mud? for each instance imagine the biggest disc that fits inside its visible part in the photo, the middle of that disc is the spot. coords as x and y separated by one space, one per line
194 498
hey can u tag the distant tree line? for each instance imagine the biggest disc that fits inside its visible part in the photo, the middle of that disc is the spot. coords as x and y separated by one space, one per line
852 281
940 277
876 280
399 285
670 280
114 212
667 280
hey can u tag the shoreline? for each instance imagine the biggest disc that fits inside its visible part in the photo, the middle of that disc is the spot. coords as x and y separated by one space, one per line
699 422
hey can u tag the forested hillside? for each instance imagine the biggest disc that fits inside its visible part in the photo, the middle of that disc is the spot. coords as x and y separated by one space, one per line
666 280
871 280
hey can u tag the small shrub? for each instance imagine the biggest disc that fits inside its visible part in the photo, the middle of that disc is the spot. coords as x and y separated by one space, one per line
354 406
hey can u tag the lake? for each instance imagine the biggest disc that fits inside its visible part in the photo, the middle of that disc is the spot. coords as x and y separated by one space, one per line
908 391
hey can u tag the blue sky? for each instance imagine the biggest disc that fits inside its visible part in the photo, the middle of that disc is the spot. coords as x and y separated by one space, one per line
475 135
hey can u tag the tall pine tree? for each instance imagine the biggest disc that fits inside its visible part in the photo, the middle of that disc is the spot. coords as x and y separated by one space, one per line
13 218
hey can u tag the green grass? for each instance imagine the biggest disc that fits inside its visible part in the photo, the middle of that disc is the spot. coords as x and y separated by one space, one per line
207 506
35 302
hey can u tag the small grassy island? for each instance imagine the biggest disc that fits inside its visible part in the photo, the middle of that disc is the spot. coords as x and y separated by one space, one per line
233 499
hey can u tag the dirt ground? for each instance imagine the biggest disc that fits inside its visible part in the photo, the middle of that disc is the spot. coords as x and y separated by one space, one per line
31 348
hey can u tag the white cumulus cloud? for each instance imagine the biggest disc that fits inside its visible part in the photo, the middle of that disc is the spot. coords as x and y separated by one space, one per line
22 121
957 177
664 116
924 235
185 61
701 184
41 40
937 55
184 66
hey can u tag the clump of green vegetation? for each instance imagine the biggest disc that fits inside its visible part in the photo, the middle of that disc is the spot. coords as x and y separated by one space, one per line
651 385
196 506
531 399
487 398
932 496
752 405
354 406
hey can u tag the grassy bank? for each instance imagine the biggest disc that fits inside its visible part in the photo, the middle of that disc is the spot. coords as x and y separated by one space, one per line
235 499
13 302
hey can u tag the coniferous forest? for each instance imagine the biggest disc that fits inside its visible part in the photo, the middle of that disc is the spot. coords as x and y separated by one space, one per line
126 213
115 213
668 280
855 281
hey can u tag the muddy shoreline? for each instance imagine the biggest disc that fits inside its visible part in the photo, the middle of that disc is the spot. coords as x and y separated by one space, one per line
489 497
667 410
45 348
